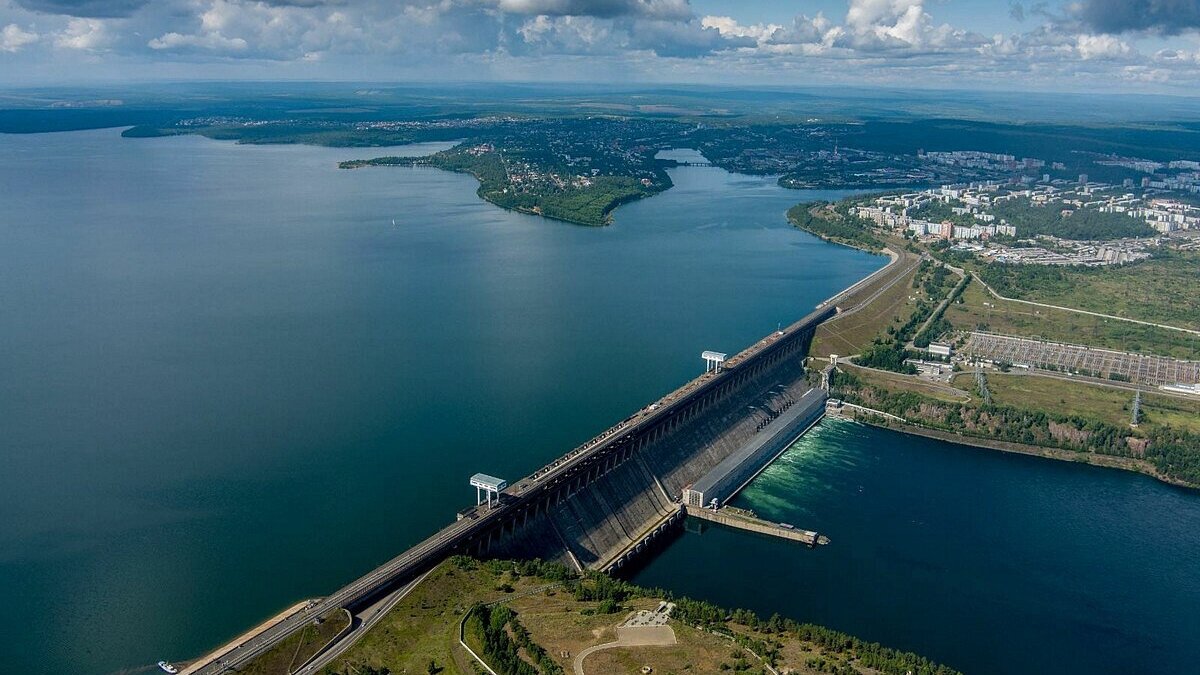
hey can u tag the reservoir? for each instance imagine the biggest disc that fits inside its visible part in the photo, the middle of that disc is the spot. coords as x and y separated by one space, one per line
229 382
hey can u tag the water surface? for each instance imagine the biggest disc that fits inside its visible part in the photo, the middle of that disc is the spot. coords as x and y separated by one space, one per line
988 562
228 382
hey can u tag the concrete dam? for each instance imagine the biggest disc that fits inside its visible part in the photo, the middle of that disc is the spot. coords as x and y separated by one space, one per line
600 504
699 444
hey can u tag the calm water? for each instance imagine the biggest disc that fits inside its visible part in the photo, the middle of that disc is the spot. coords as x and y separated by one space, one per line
227 382
991 563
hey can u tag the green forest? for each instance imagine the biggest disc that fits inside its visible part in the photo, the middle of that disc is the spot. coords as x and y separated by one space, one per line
1174 453
589 205
503 637
833 224
1081 224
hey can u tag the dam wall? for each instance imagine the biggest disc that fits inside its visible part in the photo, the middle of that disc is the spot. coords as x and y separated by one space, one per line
739 467
595 507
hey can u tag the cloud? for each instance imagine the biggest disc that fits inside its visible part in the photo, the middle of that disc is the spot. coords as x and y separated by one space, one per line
872 41
1167 17
96 9
13 38
83 34
1101 47
206 41
654 9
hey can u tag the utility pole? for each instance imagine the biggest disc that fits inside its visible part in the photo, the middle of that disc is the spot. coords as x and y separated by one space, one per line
981 383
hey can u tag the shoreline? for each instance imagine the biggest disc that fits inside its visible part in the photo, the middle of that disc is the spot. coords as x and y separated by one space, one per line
1130 464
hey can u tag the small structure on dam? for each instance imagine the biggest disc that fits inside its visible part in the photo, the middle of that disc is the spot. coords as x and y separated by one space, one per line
780 430
488 486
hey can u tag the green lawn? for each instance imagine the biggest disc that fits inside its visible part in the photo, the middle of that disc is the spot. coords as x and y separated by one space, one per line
1087 400
1162 290
298 648
981 311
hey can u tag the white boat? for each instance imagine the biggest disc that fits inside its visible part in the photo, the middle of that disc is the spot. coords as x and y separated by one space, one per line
167 667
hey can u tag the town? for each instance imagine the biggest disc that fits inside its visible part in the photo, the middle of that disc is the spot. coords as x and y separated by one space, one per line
1049 222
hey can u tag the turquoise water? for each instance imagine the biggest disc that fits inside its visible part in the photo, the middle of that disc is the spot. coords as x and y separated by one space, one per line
991 563
228 382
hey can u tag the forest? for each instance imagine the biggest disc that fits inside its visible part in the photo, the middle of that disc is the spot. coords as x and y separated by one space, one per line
830 224
1174 453
1084 224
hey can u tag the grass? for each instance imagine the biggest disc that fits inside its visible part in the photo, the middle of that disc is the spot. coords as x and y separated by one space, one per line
698 652
300 647
917 385
979 310
1161 290
850 334
1087 400
423 627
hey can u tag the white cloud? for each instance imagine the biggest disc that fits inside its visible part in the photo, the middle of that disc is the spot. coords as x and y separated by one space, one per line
13 38
210 41
655 9
1101 47
874 41
84 35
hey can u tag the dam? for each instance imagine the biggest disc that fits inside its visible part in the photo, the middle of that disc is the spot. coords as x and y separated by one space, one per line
603 503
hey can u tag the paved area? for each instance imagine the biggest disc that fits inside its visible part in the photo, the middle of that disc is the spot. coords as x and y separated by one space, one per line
643 629
1066 358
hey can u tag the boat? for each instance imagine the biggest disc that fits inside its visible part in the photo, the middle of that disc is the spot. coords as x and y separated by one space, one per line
167 667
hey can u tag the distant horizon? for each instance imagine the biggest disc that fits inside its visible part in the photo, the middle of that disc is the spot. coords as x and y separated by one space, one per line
598 84
1131 46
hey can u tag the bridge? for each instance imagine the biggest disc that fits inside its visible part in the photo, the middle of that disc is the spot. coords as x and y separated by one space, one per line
604 502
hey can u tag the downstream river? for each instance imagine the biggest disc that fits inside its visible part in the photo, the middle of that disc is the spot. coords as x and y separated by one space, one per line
228 382
989 562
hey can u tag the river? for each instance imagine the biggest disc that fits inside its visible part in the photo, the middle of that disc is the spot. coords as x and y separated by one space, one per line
985 561
228 381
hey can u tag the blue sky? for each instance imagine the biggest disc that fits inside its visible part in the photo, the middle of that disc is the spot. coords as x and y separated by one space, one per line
1068 45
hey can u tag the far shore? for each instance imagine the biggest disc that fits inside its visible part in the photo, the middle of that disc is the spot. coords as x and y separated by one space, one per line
1106 461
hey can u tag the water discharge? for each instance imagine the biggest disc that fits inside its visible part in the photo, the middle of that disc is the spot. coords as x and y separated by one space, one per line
989 562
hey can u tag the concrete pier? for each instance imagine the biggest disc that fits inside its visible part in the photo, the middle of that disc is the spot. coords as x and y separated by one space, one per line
744 521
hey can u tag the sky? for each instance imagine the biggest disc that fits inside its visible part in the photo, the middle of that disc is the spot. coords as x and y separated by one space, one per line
1111 46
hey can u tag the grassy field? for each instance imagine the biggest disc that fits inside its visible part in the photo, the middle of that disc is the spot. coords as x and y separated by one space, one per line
981 311
851 333
1162 290
423 628
897 382
300 647
697 652
1087 400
